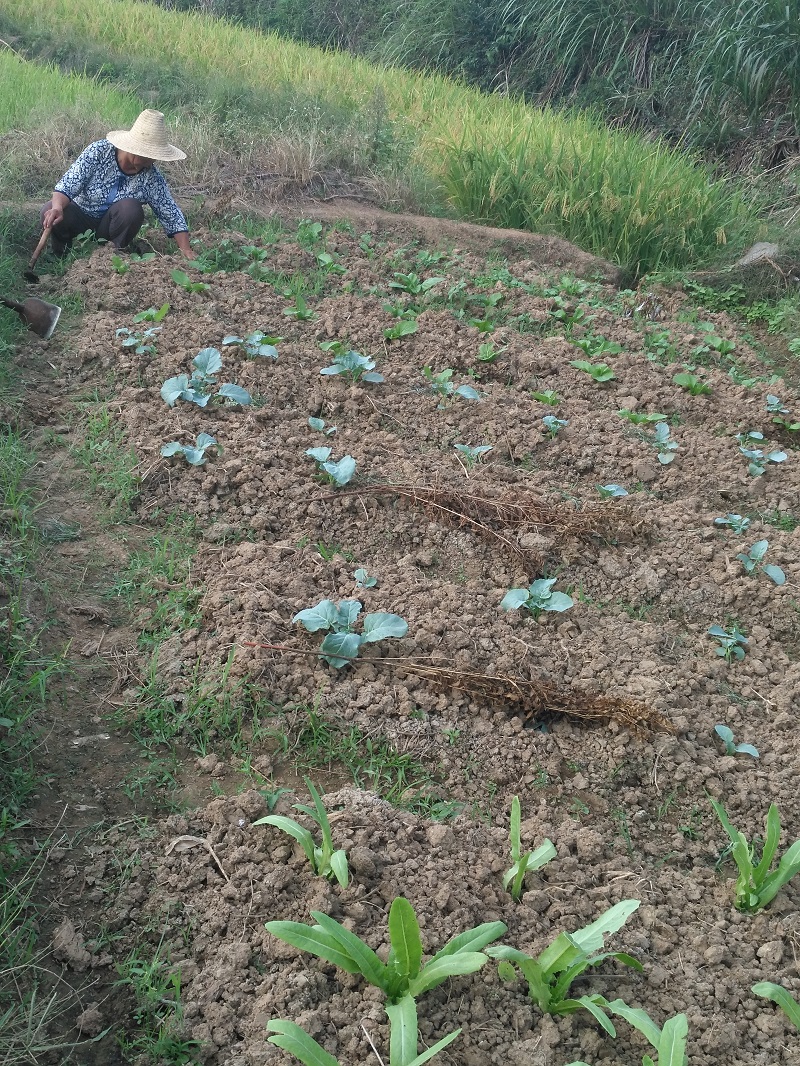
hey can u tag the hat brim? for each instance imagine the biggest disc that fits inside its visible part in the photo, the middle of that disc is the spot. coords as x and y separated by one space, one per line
164 153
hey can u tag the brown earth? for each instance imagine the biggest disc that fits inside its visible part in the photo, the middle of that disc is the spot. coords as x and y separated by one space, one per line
626 811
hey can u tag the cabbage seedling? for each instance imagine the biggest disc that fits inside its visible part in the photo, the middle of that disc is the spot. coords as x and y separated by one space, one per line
442 385
514 878
363 580
301 311
151 314
735 522
597 347
725 734
670 1043
640 418
609 491
755 885
413 284
489 351
194 455
341 645
553 424
550 397
778 994
297 1042
550 975
321 426
757 460
339 473
666 447
256 344
598 372
473 453
356 367
324 860
751 560
207 363
404 327
731 645
775 407
142 341
180 277
537 598
693 384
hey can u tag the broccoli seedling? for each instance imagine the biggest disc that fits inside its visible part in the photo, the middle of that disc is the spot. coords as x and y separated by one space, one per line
142 341
731 645
256 344
735 522
537 597
356 367
442 385
752 560
757 460
473 454
194 455
666 447
610 491
553 425
338 473
725 734
341 646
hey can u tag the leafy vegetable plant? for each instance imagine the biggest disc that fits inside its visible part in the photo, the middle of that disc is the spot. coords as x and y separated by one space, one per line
363 580
757 460
752 560
666 447
596 347
735 522
142 341
308 232
404 327
356 367
321 426
257 345
152 314
489 351
550 397
693 384
640 418
196 455
551 973
553 424
755 885
537 597
297 1042
473 454
119 266
413 284
598 372
341 645
300 310
775 407
442 385
731 645
725 734
196 389
609 491
324 860
778 994
514 878
180 277
670 1043
339 473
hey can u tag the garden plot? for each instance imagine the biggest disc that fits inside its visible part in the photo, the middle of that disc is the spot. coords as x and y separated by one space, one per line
655 599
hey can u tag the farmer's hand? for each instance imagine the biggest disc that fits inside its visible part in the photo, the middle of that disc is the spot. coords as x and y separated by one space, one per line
182 241
53 216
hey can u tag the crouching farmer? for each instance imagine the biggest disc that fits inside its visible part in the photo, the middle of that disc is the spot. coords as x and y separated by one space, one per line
108 183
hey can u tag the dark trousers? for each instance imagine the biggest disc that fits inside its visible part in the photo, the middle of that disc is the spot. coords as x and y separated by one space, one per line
119 224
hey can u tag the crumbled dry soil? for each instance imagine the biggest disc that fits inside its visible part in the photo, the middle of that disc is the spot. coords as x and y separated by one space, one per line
626 808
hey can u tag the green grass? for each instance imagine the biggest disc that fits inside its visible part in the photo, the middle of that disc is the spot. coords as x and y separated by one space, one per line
110 464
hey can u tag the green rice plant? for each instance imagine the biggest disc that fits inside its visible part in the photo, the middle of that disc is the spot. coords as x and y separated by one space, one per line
755 885
324 860
514 877
551 973
778 994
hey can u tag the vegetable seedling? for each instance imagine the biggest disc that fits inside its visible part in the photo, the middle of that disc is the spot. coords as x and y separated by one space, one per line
550 397
257 345
324 860
292 1038
640 418
568 316
339 473
553 425
308 232
473 454
489 351
328 264
119 266
735 522
321 426
181 278
356 367
598 372
551 974
413 284
404 327
363 579
152 314
755 885
300 310
142 341
693 384
609 491
207 363
194 455
537 597
778 994
725 734
757 460
670 1043
597 347
731 645
775 407
752 560
341 645
442 385
666 447
514 878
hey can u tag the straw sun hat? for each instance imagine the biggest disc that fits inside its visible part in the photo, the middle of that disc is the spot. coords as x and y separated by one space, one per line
147 137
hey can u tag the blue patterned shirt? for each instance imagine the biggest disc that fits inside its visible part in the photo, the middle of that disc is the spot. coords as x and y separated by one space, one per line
94 182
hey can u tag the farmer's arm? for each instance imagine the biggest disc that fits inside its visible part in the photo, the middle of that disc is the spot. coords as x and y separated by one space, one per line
74 181
56 212
168 213
182 241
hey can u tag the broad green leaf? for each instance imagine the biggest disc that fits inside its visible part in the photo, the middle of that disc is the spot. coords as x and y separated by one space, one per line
320 454
771 841
231 338
439 969
340 868
538 985
379 626
339 649
205 440
405 938
316 941
323 616
734 834
342 472
318 424
747 749
174 388
778 994
514 599
467 392
474 939
598 1014
235 393
347 612
298 1043
402 1031
560 955
559 601
514 830
541 587
172 448
672 1045
288 825
774 573
428 1054
787 868
370 966
638 1018
208 361
592 937
759 550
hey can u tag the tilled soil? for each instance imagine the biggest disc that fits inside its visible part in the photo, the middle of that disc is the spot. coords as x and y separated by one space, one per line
625 804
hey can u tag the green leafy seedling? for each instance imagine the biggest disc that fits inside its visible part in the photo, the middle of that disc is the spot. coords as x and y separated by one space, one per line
257 345
775 407
356 367
610 491
725 734
443 387
537 597
514 878
300 309
181 278
640 418
735 522
597 347
755 885
473 454
731 644
489 351
404 327
324 860
778 994
142 341
752 560
550 397
671 1044
152 314
297 1042
413 284
341 645
553 425
194 455
119 266
598 372
321 426
363 579
756 458
335 473
551 973
666 447
693 384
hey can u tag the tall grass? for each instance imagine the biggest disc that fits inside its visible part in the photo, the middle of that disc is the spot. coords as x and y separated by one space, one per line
591 187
